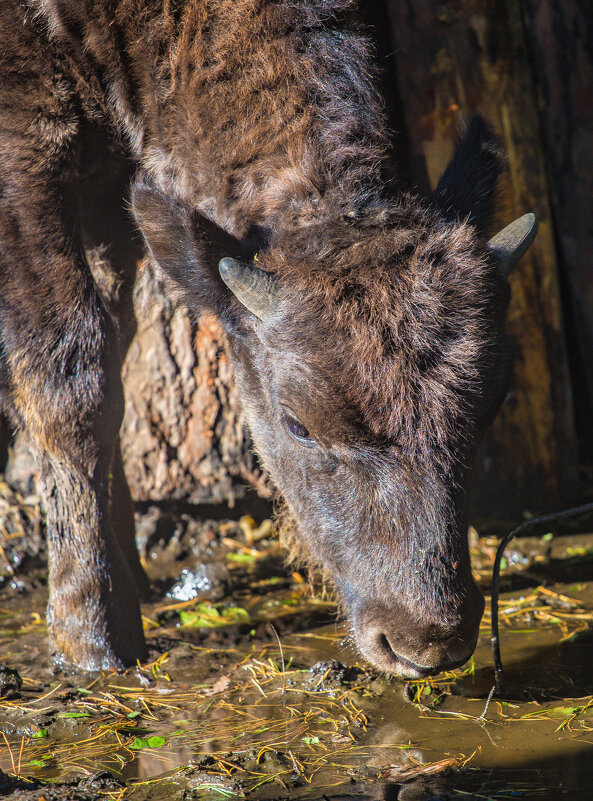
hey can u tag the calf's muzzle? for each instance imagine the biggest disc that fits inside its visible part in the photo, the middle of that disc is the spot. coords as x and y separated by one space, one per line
412 644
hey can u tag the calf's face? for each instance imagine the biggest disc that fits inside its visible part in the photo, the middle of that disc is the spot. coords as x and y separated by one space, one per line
370 356
366 397
387 522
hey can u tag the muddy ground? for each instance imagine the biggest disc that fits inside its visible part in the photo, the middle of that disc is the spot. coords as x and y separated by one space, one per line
252 689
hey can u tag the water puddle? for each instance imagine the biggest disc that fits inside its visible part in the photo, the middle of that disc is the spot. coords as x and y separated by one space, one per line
252 690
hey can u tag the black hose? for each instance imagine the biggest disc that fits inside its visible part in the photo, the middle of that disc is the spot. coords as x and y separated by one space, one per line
495 640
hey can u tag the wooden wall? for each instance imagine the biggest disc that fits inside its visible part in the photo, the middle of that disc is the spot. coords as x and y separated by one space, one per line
526 66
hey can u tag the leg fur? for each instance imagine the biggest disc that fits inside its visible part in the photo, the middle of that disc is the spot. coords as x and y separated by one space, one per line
60 349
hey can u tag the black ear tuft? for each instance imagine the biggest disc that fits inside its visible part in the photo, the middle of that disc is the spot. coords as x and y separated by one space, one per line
467 188
166 227
186 246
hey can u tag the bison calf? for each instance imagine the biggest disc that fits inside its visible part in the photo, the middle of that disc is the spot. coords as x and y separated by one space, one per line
367 328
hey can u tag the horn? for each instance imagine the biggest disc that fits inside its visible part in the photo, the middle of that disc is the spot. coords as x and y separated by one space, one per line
513 241
254 288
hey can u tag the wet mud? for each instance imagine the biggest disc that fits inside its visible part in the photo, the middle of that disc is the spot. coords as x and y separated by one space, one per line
253 690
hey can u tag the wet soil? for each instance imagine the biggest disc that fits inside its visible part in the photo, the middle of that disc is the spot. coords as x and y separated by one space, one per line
252 689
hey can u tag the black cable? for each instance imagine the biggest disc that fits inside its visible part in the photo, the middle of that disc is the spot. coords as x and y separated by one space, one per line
494 639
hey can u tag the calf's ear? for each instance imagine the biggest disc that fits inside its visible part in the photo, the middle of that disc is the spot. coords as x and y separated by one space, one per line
467 188
187 247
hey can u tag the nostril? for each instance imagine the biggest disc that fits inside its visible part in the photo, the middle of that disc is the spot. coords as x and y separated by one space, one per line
398 661
385 646
392 641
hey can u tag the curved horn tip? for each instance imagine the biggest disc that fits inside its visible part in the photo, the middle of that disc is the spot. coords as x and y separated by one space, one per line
513 241
529 223
252 287
227 266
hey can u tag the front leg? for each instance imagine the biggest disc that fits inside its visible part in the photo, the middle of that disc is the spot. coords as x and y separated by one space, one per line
93 614
66 392
60 356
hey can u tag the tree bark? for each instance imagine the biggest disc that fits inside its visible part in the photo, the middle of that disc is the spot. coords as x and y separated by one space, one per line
182 434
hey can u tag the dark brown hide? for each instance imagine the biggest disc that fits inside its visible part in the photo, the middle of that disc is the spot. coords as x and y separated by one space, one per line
255 131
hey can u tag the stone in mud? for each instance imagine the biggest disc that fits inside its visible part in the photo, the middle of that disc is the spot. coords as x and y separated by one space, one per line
192 780
202 762
102 781
330 673
424 789
8 784
272 761
10 682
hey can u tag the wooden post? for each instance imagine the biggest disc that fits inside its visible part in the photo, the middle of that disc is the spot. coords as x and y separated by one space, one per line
560 38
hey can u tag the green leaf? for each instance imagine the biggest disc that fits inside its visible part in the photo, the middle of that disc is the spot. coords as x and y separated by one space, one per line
310 740
152 742
549 536
209 616
563 711
39 734
74 715
236 613
138 744
241 558
579 552
133 715
203 615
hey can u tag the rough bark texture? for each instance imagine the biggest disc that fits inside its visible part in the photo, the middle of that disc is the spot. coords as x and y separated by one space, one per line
182 435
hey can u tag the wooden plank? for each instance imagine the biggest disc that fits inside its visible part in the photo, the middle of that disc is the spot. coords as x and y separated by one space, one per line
559 34
454 58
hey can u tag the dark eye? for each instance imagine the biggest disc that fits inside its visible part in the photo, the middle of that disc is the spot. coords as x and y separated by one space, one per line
297 430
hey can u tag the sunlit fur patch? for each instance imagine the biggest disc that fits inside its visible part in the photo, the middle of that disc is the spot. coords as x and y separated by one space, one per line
397 317
299 556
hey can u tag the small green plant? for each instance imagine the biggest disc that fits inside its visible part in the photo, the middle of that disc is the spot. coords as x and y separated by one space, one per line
206 615
151 742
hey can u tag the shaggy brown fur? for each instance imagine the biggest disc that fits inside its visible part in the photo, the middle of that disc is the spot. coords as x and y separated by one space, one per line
403 308
252 127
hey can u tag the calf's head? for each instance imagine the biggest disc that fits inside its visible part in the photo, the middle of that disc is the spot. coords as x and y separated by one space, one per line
370 353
